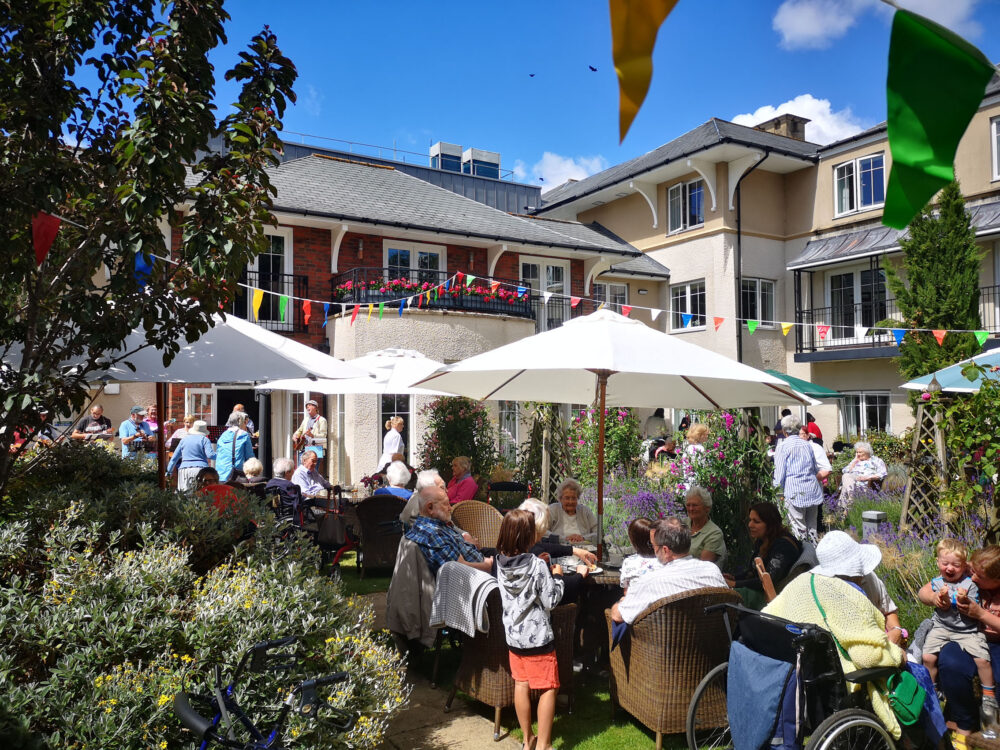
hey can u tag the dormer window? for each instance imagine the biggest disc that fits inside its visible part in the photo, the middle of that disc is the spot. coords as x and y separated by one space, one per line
859 185
686 206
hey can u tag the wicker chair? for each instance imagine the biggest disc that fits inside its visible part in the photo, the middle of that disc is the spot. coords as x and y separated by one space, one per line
484 672
479 519
379 535
669 648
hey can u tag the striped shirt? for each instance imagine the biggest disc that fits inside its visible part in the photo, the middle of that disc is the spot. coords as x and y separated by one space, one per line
677 576
795 472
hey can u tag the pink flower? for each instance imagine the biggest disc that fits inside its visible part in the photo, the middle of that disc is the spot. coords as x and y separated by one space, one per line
925 396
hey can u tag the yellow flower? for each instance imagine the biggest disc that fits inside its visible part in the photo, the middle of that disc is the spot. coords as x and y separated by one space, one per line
163 700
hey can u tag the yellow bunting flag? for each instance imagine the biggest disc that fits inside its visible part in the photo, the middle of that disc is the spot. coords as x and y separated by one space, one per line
634 26
370 308
785 328
258 297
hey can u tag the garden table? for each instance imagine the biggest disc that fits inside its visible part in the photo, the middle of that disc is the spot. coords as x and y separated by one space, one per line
600 591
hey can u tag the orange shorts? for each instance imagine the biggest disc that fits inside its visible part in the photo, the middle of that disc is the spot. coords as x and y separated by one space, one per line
540 671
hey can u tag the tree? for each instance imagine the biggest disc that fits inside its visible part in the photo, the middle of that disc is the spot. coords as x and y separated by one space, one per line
941 290
107 118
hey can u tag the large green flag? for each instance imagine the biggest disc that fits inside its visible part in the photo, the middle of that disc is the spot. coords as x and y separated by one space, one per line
935 85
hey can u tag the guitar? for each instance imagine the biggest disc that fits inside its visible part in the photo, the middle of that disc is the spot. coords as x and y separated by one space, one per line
298 443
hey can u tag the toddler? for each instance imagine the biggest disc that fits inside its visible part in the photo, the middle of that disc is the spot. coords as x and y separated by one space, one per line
944 593
528 591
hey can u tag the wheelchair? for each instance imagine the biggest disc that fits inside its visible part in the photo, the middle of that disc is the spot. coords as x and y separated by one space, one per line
322 524
829 717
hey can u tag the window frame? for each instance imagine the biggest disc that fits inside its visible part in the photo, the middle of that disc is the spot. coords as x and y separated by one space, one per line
270 317
995 147
771 322
508 429
855 165
863 397
559 302
407 423
679 328
189 393
603 296
415 248
685 189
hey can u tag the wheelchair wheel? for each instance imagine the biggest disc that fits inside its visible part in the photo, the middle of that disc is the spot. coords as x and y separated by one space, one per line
707 724
852 729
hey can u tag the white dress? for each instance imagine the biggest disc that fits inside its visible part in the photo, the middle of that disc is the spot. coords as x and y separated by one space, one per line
391 443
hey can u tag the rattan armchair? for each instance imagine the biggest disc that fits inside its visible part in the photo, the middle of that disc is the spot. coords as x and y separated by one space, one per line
380 531
667 651
484 671
479 519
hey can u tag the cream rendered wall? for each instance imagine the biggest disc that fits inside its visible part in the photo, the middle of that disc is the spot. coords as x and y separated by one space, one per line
444 336
861 375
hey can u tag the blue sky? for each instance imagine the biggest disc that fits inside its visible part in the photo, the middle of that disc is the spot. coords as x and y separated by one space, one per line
409 73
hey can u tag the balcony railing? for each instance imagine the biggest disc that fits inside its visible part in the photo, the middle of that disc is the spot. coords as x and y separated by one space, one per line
274 285
848 322
371 285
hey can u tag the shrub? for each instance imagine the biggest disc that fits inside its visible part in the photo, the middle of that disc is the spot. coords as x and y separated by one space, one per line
459 426
622 443
631 497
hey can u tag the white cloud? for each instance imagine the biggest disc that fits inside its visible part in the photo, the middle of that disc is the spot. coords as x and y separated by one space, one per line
520 170
555 169
825 126
313 100
814 24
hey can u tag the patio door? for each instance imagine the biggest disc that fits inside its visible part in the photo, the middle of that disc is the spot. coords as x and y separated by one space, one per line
856 298
414 261
548 276
271 271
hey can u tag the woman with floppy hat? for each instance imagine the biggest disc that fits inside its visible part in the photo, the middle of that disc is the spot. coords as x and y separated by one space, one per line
193 454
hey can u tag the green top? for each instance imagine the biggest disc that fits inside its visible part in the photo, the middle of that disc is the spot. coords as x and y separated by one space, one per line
709 538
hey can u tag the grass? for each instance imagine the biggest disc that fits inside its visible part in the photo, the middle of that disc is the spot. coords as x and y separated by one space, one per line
353 583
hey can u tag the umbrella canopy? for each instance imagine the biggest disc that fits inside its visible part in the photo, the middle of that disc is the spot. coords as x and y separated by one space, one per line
952 379
805 387
392 369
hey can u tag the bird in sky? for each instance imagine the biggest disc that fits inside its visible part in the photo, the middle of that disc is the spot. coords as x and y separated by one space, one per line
592 68
531 75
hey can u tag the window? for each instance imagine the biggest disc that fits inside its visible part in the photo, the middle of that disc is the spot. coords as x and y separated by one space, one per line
509 418
859 184
865 412
414 261
612 295
447 162
757 300
856 298
995 143
548 277
394 405
270 271
687 299
685 206
201 403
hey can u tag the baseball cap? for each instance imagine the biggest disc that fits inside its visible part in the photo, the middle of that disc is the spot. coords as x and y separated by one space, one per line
138 410
312 402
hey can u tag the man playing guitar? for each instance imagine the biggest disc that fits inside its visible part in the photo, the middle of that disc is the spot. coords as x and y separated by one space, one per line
313 429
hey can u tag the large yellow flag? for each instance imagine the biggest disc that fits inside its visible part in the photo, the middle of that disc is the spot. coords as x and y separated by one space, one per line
634 26
258 297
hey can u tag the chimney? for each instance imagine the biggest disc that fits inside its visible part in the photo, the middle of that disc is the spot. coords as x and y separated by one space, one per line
788 125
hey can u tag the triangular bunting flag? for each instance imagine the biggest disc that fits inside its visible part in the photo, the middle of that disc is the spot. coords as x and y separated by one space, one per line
823 331
381 309
686 319
981 336
437 293
521 291
258 297
718 322
402 304
469 279
752 326
459 276
143 270
409 301
282 306
326 312
626 310
354 315
574 301
44 228
654 313
899 333
785 328
600 306
420 300
545 297
371 309
939 335
306 311
860 331
447 285
493 286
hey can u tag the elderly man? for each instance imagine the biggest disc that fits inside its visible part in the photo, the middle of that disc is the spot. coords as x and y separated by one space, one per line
437 537
289 494
313 429
680 572
133 433
250 426
426 478
795 471
310 481
96 426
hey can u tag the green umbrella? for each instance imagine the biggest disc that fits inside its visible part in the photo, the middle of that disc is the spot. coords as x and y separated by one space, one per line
804 386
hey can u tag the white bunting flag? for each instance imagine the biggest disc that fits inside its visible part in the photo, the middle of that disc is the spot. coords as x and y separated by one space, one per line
546 295
654 313
860 331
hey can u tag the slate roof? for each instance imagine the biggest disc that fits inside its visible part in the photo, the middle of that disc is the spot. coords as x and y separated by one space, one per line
641 266
368 194
715 132
879 239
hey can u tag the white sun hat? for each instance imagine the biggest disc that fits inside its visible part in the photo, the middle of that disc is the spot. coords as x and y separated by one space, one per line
840 555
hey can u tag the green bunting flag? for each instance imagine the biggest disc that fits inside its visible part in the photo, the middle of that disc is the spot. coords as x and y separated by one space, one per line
981 337
935 85
752 326
282 306
381 309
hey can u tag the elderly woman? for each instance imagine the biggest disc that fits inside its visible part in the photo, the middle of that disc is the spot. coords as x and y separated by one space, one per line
462 486
254 471
398 476
233 447
864 469
774 544
181 432
707 542
795 472
847 614
194 453
572 522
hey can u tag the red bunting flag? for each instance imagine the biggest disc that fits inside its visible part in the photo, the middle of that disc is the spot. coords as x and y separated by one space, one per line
306 311
574 301
420 300
459 276
939 335
354 315
44 228
718 322
823 331
494 286
626 310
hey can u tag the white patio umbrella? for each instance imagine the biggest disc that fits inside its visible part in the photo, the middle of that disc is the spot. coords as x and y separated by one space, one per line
621 361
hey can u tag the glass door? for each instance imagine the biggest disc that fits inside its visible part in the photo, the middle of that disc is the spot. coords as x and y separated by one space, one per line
269 272
548 277
842 305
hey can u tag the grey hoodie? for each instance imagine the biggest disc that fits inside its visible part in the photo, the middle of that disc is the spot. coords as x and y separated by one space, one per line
528 592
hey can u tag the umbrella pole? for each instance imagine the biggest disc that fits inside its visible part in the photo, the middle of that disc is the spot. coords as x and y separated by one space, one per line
161 451
602 387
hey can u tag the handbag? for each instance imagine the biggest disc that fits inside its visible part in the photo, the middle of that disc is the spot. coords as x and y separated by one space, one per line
904 693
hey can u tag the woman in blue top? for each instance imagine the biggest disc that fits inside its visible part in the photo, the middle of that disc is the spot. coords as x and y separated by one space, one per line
398 476
234 446
193 454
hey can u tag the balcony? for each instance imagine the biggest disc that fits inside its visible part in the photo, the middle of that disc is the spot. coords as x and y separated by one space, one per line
848 321
371 285
269 315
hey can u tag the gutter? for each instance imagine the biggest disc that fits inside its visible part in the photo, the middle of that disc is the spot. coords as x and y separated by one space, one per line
738 256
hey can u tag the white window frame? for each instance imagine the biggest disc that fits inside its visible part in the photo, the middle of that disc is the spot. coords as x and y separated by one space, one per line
189 409
995 146
415 248
863 396
408 422
758 283
508 416
685 192
855 270
287 269
601 291
541 319
687 296
856 163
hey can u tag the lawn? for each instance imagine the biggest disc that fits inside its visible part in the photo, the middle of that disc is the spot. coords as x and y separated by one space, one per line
353 583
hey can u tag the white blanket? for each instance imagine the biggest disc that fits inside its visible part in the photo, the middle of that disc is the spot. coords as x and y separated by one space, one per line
460 599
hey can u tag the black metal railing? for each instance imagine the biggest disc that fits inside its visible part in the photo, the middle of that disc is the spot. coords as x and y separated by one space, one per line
274 285
866 324
372 285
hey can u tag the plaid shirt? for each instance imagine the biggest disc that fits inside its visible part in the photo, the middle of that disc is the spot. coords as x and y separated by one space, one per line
440 542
